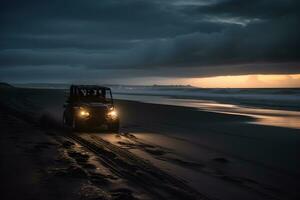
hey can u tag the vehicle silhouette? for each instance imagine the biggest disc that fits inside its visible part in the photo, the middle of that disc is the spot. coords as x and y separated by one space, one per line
89 107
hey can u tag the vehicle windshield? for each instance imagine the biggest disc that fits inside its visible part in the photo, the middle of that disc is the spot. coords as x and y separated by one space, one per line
102 95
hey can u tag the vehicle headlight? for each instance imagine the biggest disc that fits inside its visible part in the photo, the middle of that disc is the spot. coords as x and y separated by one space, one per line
84 113
112 114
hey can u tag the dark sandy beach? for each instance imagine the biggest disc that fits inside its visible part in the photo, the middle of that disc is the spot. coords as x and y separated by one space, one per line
161 152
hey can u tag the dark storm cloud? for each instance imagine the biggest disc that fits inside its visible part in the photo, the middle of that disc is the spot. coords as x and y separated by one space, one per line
180 38
264 9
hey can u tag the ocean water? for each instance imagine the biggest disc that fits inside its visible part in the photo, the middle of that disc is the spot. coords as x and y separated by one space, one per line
270 107
286 98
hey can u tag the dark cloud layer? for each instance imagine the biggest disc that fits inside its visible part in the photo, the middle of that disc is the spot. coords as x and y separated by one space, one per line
133 38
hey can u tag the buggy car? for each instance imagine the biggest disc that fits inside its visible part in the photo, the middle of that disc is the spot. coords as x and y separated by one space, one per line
89 107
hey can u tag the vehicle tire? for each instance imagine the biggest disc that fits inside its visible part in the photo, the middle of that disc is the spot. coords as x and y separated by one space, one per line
64 122
74 125
114 126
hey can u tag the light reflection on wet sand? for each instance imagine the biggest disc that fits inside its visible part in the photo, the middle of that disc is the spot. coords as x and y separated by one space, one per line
270 117
262 116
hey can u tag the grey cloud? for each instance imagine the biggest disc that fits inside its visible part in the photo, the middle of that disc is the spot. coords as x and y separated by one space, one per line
132 37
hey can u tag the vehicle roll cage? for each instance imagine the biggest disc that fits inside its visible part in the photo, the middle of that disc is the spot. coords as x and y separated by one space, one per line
75 91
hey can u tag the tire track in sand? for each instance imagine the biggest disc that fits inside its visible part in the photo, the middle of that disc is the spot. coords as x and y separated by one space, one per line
142 173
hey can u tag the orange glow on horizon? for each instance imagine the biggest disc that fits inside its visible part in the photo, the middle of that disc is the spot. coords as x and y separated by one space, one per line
247 81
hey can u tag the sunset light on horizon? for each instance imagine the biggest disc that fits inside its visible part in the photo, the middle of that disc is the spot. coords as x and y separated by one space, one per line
247 81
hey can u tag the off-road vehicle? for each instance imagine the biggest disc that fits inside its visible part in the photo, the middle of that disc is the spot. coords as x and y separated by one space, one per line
89 107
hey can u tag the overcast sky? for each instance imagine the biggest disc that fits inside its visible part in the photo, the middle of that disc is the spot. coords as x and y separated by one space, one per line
116 41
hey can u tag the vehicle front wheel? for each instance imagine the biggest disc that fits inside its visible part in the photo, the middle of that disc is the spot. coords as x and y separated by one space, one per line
64 121
114 126
74 125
